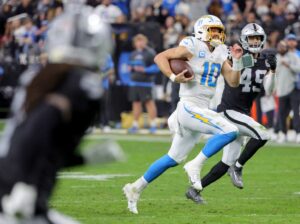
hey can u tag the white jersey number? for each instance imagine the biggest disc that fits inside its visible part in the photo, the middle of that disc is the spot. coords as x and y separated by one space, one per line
248 84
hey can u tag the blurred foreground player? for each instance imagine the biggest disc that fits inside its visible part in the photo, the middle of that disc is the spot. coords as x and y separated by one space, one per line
52 108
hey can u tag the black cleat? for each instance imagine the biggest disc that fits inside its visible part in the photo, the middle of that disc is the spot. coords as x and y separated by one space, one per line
195 196
235 174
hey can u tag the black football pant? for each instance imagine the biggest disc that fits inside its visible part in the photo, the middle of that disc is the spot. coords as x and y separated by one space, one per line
36 154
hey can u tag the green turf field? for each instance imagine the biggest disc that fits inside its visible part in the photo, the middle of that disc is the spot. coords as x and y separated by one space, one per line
271 193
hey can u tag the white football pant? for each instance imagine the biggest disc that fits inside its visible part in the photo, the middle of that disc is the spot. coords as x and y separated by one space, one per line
188 122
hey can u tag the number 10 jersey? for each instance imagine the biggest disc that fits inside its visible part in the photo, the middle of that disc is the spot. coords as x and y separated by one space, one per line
206 66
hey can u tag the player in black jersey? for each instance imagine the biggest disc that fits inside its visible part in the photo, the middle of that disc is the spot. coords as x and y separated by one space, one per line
257 75
51 110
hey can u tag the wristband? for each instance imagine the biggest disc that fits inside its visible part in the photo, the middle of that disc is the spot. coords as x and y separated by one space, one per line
172 77
237 64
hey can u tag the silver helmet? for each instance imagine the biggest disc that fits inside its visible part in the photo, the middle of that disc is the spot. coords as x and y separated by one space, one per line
78 37
253 29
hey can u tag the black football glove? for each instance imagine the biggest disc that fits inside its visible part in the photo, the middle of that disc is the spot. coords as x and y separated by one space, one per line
272 61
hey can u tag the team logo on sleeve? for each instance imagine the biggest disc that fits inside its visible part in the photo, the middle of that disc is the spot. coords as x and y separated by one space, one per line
201 54
186 42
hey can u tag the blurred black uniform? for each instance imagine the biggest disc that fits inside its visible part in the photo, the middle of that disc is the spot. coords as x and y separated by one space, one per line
51 111
44 139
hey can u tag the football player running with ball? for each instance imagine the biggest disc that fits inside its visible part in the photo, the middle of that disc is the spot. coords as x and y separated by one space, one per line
207 56
236 105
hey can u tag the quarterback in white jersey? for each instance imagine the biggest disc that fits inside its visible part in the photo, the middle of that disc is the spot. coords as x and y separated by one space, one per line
236 105
206 54
207 68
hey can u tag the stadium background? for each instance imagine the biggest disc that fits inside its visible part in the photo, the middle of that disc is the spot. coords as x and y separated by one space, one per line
24 23
92 194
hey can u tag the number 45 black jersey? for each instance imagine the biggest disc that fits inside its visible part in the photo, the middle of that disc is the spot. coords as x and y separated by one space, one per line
251 83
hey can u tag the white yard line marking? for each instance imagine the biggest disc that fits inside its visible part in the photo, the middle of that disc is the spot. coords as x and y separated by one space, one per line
84 176
164 138
139 138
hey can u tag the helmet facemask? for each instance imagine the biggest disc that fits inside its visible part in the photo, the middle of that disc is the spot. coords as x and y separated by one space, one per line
255 48
213 41
203 32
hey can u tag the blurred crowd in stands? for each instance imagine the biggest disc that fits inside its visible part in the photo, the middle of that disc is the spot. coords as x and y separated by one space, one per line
24 24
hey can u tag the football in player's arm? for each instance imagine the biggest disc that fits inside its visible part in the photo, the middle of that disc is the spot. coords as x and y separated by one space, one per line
207 56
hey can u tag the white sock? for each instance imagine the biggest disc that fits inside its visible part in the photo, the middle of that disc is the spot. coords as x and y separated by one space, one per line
140 184
199 160
238 165
135 124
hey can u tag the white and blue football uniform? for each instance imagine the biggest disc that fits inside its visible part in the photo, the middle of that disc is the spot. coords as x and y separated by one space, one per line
192 116
207 68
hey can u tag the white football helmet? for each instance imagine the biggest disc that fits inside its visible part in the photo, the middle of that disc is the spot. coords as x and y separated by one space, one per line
202 29
253 29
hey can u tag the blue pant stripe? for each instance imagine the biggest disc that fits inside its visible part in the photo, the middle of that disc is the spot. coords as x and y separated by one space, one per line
158 167
217 142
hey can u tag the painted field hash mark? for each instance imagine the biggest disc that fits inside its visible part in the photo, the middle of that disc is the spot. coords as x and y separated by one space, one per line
84 176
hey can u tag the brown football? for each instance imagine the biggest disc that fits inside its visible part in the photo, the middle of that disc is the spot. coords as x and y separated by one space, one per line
178 65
